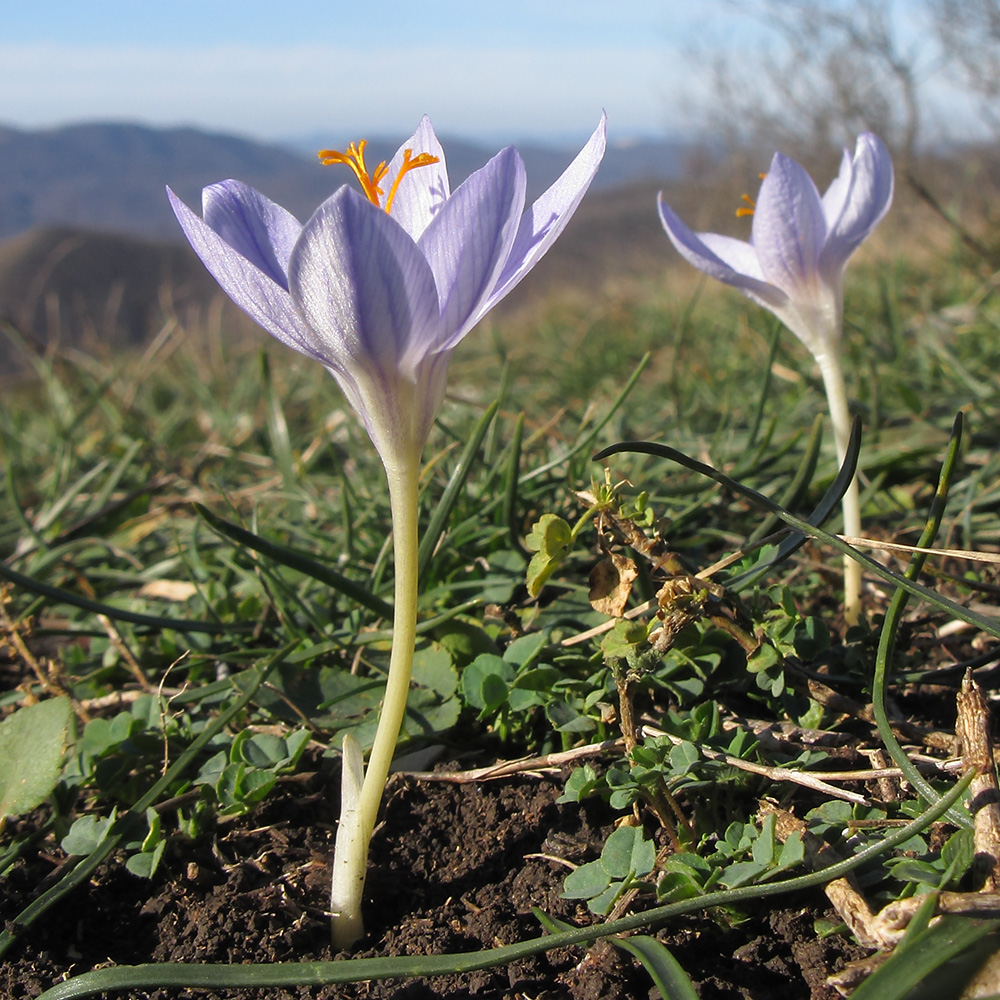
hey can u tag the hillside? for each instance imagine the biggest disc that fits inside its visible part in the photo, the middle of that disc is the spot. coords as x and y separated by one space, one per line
85 287
100 290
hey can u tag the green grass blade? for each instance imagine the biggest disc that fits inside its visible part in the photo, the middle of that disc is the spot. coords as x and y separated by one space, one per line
61 596
666 972
987 624
803 477
963 943
883 656
439 518
297 561
765 389
277 425
511 492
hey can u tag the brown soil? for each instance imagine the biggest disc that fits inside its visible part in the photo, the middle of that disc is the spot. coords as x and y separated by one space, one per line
453 868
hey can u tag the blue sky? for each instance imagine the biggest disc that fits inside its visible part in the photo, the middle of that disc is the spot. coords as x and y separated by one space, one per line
508 70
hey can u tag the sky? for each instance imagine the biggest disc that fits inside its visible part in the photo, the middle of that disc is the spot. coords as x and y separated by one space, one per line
539 70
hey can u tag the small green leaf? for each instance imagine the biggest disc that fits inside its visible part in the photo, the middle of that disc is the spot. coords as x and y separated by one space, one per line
145 863
525 649
623 638
551 539
32 744
264 750
493 692
587 881
581 782
958 854
683 757
765 658
677 885
811 638
479 692
602 903
763 846
550 535
566 719
627 852
87 834
433 668
792 852
154 835
741 873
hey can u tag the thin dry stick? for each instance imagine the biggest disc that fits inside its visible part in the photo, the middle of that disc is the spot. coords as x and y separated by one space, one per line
554 761
843 893
872 543
123 651
773 773
523 765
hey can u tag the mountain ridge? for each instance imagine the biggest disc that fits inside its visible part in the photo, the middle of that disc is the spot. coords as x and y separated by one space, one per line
110 176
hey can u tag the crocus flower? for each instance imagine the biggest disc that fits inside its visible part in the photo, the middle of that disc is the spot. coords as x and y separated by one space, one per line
380 287
382 292
793 265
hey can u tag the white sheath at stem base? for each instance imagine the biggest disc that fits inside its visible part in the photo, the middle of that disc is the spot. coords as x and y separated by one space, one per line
350 855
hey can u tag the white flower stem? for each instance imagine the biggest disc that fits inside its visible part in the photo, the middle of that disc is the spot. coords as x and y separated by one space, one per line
351 858
836 395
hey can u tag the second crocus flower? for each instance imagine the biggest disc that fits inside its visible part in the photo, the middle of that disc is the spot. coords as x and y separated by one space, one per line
793 265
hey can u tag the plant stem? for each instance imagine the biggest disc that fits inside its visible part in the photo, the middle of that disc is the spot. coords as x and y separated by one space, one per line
836 396
354 834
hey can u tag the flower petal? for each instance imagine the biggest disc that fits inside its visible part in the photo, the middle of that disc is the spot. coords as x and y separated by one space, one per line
789 228
836 194
364 289
254 226
547 217
422 191
470 239
737 254
719 257
865 204
265 300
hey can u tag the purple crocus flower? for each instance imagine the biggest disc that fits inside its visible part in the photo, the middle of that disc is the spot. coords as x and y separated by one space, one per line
380 287
800 241
793 265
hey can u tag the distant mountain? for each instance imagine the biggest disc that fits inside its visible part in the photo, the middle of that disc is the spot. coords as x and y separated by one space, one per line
111 176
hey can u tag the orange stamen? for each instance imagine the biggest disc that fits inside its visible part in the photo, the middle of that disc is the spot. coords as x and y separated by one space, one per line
409 163
751 205
355 159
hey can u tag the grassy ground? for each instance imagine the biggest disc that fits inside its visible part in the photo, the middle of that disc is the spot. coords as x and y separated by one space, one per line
174 519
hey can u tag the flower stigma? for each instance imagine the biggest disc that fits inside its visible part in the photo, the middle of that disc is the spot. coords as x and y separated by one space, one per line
355 159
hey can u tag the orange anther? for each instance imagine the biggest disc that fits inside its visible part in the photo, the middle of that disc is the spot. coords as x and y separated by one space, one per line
355 159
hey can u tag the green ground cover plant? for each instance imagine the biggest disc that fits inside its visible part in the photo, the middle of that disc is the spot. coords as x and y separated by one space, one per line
196 557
